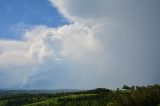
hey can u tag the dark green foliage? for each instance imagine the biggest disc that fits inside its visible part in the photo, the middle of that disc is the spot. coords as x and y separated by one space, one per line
21 99
128 96
126 87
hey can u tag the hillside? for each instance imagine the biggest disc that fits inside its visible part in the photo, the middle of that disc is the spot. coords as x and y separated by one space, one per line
128 96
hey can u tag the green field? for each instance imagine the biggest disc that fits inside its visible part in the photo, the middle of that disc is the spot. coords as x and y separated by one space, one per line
128 96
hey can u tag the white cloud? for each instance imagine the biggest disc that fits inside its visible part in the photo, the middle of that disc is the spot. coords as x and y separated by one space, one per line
13 52
72 41
44 45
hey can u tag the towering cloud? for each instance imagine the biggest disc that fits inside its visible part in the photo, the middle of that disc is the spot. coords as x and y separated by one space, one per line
107 44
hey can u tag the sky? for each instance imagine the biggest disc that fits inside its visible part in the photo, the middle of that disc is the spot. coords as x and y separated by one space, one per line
18 15
79 44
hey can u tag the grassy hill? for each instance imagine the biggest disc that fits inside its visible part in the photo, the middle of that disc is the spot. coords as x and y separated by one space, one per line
128 96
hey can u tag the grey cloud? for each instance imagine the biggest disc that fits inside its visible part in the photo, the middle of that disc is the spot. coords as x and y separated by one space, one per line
129 33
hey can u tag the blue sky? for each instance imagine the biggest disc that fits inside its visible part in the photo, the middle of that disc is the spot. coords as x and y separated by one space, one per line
99 43
26 13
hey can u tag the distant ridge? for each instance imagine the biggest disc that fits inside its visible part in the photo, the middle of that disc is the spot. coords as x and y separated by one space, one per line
4 92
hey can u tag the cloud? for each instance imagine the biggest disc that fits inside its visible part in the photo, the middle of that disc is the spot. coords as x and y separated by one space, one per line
108 44
15 64
70 41
43 48
128 34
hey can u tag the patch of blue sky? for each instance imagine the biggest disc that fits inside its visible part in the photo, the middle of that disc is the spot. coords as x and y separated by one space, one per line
16 14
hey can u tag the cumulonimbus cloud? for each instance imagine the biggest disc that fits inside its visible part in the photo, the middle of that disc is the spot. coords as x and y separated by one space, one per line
108 43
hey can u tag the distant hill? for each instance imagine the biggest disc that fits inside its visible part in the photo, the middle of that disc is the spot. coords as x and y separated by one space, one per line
14 92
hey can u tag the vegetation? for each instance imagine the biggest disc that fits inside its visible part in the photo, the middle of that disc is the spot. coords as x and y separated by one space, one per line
127 96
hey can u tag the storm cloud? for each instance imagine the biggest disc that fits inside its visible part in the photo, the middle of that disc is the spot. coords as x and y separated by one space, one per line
107 44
